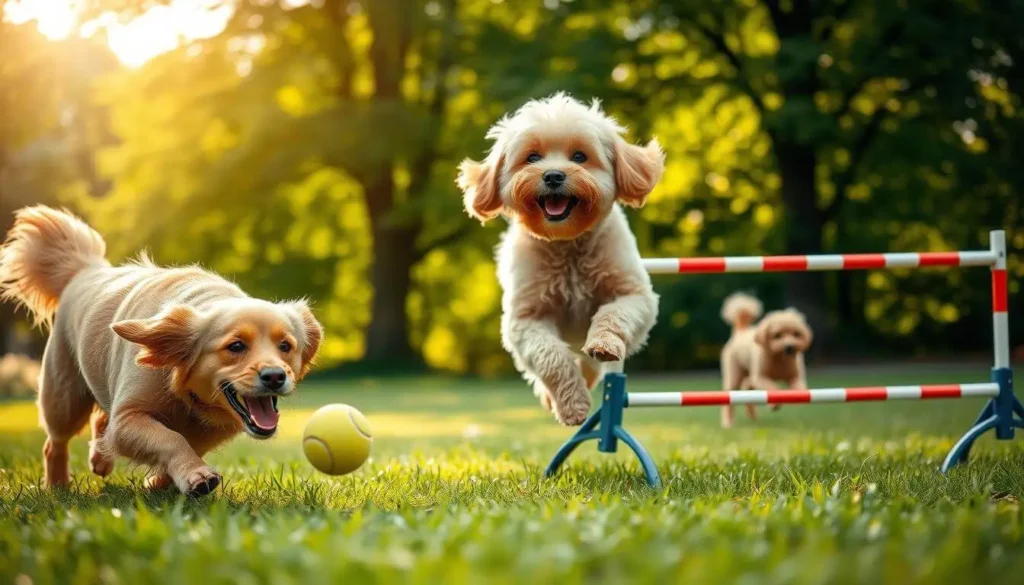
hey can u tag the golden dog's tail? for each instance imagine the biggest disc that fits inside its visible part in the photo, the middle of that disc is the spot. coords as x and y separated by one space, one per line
741 310
44 250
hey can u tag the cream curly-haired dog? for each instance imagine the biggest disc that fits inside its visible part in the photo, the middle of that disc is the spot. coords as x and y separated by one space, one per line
575 290
757 356
167 362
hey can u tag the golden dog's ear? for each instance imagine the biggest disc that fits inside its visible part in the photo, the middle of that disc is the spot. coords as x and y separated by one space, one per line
637 170
313 334
170 339
480 193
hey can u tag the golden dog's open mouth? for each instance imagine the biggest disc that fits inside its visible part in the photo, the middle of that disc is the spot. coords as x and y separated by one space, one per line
557 207
258 413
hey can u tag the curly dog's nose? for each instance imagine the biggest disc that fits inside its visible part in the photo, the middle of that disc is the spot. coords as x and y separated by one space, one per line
554 179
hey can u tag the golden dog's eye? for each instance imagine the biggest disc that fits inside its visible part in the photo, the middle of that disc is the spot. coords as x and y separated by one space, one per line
236 347
578 157
533 157
777 336
284 346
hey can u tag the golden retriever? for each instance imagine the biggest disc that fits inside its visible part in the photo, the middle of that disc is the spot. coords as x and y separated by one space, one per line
167 362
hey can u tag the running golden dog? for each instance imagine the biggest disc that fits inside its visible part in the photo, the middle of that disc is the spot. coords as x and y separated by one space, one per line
169 362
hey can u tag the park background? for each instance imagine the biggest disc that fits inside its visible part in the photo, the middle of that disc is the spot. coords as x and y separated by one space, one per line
308 148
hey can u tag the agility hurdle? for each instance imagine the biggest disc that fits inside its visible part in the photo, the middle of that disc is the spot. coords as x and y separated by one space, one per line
1003 412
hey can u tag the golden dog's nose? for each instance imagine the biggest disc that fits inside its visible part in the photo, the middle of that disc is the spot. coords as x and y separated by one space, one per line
273 378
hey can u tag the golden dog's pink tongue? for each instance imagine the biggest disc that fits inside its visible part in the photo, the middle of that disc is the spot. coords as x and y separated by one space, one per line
262 411
556 206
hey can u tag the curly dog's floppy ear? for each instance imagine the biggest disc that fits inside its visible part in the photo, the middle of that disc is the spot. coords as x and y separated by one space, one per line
637 170
313 334
479 184
170 339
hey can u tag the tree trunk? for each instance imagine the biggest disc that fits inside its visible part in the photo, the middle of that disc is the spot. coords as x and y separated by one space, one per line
387 337
804 232
6 327
394 254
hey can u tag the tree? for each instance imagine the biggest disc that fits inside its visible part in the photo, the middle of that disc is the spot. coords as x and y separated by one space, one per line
43 88
838 86
382 94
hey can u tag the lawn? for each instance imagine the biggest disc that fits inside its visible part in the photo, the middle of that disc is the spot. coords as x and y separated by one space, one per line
454 494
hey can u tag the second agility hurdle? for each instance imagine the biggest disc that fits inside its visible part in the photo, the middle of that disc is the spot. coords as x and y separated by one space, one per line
1003 413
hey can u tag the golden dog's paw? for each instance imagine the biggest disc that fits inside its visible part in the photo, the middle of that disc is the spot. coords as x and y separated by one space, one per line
100 464
606 348
158 481
200 482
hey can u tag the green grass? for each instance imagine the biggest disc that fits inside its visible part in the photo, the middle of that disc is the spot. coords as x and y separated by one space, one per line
454 494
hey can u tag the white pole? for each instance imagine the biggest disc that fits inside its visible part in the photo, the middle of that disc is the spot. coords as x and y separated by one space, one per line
1000 320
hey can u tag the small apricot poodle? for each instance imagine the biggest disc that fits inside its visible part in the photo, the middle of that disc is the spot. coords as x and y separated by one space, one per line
758 355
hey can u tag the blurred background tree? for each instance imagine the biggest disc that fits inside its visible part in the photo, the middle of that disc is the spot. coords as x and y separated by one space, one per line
309 147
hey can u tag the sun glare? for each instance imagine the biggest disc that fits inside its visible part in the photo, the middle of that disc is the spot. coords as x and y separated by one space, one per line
160 29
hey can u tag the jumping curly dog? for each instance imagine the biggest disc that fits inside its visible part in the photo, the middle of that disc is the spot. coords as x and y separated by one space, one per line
757 356
575 292
167 362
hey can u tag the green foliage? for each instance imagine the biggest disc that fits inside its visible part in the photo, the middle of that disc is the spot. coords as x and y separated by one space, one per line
453 493
311 150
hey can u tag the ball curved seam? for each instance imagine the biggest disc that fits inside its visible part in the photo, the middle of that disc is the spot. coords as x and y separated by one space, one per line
327 449
355 424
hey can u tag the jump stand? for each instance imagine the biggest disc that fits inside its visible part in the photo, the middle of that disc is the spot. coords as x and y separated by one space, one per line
1003 412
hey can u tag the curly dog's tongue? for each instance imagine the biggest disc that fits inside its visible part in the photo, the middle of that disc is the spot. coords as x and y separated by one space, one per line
262 411
555 206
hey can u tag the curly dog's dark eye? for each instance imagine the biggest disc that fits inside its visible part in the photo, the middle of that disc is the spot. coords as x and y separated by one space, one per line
533 157
578 157
236 347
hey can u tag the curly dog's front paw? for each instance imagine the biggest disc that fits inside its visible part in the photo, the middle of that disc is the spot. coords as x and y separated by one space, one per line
573 415
606 348
573 411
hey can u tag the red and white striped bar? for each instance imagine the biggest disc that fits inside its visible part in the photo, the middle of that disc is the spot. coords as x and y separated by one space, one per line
861 394
818 263
1000 301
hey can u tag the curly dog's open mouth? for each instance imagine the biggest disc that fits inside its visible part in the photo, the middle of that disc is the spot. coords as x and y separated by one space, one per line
258 413
557 207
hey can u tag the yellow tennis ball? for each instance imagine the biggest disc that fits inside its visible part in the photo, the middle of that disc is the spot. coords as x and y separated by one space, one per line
337 439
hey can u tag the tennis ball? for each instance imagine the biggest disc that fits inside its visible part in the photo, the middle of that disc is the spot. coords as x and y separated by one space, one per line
337 439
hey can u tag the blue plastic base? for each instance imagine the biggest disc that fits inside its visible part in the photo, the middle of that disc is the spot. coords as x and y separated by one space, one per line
1004 414
605 425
